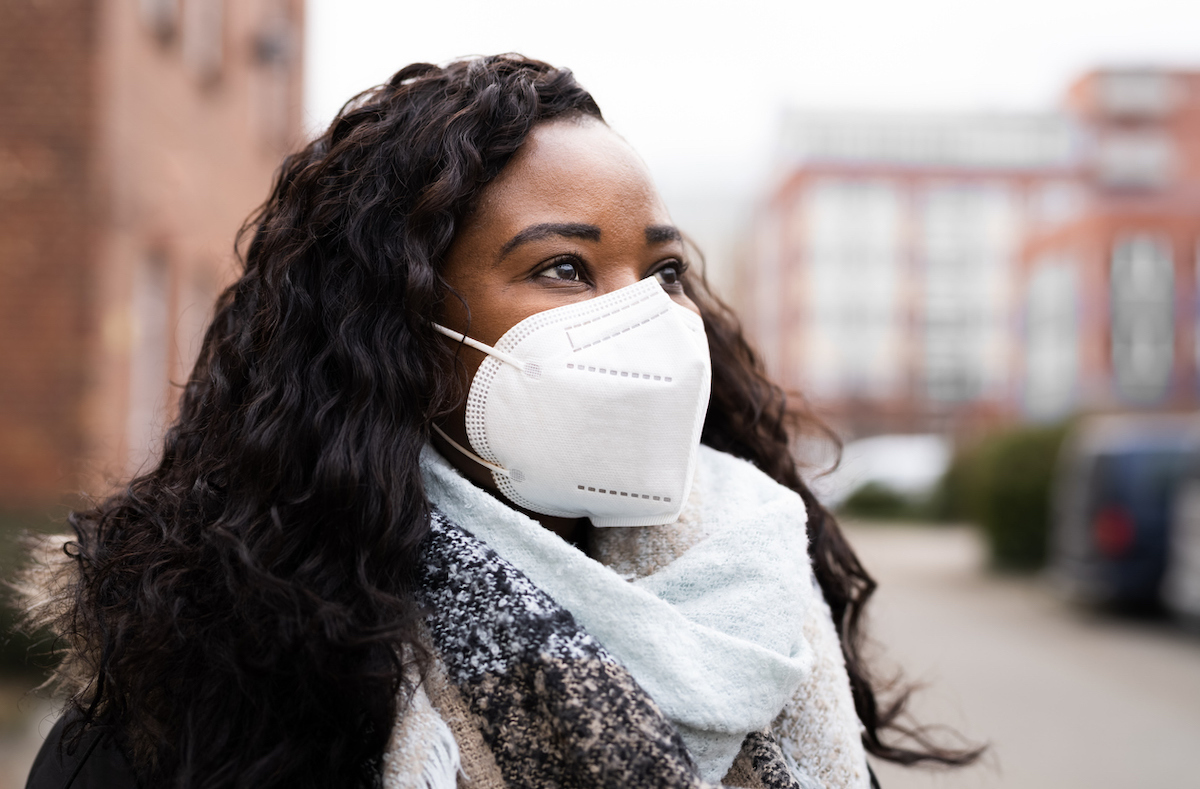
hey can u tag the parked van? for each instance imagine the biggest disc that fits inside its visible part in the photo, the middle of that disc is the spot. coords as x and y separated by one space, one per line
1181 579
1117 485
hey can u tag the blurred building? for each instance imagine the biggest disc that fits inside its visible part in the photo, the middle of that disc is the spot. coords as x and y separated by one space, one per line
135 138
947 272
1109 290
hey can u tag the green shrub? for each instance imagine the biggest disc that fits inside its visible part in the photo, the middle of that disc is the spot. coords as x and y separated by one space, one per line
1006 484
874 500
21 654
955 498
878 501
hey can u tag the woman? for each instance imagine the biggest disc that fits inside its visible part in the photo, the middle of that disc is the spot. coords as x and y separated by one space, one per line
466 360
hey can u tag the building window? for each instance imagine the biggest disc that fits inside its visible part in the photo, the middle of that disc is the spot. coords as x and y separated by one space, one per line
204 38
967 233
148 359
1051 340
276 51
1142 299
1137 94
1196 310
853 232
195 298
1135 160
1057 202
161 17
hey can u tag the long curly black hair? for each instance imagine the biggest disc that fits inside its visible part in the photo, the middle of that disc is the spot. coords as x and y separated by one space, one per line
244 610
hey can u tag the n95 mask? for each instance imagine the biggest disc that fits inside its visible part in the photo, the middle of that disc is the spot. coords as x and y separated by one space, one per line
594 409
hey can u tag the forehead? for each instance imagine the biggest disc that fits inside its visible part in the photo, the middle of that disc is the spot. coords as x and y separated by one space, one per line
575 170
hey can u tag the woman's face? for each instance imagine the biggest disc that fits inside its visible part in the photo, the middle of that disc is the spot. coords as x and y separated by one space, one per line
573 216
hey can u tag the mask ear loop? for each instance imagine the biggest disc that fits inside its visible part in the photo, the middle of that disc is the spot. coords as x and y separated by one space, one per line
489 350
498 469
477 345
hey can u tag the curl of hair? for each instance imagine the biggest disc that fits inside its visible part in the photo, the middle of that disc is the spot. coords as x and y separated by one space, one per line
244 609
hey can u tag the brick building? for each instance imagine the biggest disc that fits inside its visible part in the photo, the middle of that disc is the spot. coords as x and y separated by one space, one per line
1110 316
135 137
915 273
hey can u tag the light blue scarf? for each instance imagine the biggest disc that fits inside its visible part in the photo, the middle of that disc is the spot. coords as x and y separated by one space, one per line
716 636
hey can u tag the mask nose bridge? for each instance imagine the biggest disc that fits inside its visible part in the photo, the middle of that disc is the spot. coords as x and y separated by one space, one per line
621 319
628 272
613 297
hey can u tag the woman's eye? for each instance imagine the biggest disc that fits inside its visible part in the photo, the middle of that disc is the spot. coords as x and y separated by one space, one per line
565 270
669 275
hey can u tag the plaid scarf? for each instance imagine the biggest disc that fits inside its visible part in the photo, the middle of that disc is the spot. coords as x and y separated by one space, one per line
532 699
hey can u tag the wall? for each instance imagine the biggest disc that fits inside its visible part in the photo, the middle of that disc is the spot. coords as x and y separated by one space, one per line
136 137
47 118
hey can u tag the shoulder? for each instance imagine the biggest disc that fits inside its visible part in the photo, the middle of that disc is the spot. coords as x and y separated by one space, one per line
95 763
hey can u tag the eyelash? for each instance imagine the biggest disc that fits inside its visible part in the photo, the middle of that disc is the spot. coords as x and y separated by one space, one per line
580 267
681 267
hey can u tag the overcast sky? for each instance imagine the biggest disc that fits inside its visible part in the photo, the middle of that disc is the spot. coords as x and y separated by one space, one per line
697 86
690 83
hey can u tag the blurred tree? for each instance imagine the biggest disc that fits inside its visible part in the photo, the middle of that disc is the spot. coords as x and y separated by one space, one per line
1008 484
877 501
22 655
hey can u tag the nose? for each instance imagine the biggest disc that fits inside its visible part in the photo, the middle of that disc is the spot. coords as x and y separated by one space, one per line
621 275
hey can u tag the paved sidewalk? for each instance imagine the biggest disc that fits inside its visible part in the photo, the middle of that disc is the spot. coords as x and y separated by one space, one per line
24 721
1066 697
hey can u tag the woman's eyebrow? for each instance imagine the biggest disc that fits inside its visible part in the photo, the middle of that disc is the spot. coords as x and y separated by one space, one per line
564 229
660 234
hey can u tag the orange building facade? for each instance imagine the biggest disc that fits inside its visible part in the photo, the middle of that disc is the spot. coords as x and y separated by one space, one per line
135 138
917 273
1110 317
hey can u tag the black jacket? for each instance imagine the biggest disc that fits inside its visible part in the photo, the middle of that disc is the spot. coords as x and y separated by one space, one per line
97 762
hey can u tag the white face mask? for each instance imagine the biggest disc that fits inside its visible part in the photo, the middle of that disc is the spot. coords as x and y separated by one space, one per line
594 409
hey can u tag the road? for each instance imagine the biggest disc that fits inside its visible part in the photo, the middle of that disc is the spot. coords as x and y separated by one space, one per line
1066 698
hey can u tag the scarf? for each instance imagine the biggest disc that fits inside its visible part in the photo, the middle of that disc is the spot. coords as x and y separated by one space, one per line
523 696
707 623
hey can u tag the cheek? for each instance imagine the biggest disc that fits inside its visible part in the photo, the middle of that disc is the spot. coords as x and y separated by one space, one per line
469 361
494 306
683 301
452 312
489 320
472 308
480 319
